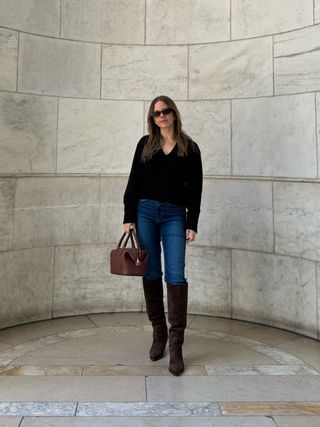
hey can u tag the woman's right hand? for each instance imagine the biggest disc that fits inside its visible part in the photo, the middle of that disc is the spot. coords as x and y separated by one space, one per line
129 225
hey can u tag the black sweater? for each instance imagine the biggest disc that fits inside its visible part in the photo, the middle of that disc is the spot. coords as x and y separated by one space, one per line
165 178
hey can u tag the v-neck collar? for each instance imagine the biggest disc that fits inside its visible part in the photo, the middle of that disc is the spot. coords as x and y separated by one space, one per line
168 154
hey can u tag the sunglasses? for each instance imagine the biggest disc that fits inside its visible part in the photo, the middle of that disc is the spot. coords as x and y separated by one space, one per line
164 112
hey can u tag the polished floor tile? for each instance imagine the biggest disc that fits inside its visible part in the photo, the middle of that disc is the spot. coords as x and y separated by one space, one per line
234 388
299 421
149 422
152 370
10 421
31 331
38 388
13 370
270 408
306 349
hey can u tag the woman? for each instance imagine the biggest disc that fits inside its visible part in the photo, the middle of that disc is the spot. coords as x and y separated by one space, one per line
162 202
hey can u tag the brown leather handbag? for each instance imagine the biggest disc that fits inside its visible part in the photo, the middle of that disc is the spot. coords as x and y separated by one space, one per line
128 261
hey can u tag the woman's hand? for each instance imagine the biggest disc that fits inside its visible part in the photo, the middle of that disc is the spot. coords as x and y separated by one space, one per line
190 235
129 225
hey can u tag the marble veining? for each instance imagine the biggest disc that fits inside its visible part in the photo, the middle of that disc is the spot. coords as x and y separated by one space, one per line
261 370
193 409
38 408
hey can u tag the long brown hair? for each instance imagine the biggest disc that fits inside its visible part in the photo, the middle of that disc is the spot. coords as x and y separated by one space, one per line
184 142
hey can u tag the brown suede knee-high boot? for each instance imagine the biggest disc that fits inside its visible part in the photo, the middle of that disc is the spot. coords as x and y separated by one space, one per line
177 315
153 293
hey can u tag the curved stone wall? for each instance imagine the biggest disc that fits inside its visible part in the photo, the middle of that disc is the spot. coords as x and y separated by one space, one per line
76 79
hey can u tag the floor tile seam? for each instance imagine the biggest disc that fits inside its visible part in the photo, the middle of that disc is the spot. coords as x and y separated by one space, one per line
220 409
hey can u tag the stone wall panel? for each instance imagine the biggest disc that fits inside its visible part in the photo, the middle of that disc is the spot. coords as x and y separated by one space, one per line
110 21
83 283
181 22
252 18
275 290
26 277
111 208
90 139
33 16
209 276
7 196
8 59
296 61
27 133
59 67
274 136
236 214
208 123
231 70
143 72
297 219
56 211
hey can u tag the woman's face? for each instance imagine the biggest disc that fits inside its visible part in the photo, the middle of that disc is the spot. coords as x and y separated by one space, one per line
164 120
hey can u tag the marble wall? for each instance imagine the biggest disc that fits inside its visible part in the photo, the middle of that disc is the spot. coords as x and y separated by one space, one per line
76 79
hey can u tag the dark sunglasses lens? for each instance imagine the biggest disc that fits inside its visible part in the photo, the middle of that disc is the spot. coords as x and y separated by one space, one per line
164 112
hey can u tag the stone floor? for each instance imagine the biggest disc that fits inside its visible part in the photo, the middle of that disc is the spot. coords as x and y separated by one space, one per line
94 370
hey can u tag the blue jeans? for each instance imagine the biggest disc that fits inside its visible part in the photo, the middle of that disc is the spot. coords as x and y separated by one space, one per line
165 222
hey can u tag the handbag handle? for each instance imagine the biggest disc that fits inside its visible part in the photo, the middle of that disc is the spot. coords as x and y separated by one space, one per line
133 237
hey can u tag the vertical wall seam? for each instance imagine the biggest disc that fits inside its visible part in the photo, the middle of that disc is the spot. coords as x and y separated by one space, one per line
60 29
53 281
99 211
230 19
231 139
273 73
317 140
314 12
231 282
101 53
273 225
317 299
188 72
57 135
14 213
18 55
145 22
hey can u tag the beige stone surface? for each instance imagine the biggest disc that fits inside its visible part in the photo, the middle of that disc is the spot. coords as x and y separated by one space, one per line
44 68
114 319
26 277
83 283
10 421
274 136
236 214
307 350
34 16
297 421
28 133
297 219
55 211
185 22
275 290
134 72
112 208
208 272
31 331
208 123
317 11
8 59
43 389
252 18
175 421
296 61
234 69
110 21
7 194
90 139
234 388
